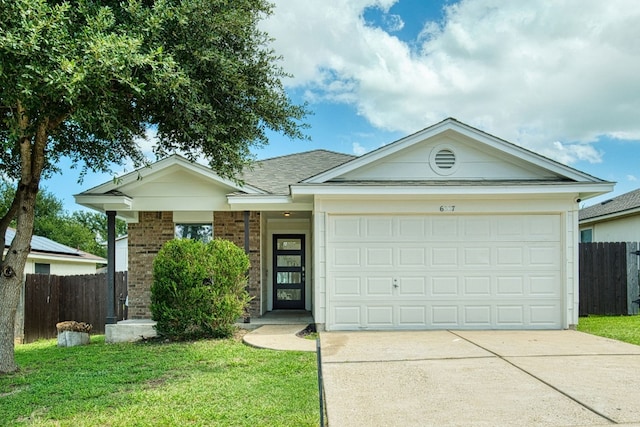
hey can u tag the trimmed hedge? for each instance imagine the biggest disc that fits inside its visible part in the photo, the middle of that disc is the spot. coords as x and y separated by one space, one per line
198 289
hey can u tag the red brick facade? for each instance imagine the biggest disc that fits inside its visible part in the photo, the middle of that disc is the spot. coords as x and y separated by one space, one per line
146 237
154 229
230 226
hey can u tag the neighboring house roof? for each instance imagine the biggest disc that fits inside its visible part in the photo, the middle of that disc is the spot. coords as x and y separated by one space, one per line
625 204
42 245
276 174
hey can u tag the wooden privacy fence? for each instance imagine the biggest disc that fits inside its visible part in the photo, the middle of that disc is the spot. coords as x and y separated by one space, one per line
609 278
50 299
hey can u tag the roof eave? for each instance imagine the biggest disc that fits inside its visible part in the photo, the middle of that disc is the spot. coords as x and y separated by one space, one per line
175 160
610 216
267 202
583 190
105 202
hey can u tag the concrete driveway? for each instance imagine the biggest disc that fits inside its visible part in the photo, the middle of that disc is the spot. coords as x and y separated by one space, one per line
479 378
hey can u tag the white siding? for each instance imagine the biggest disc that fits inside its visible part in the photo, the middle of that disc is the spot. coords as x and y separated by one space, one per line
177 190
619 230
61 267
471 163
122 254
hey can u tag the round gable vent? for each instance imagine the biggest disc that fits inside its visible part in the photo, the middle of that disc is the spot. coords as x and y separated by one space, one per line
443 160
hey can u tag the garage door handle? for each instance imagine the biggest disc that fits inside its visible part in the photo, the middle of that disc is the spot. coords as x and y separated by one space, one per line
395 283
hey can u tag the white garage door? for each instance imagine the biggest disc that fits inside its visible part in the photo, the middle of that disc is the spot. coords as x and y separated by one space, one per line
441 272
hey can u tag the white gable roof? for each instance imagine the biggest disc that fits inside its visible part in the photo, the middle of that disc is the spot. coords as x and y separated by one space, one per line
449 157
173 183
478 156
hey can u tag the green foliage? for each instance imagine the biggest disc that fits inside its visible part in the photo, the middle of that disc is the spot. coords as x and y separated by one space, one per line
95 75
198 289
82 230
97 223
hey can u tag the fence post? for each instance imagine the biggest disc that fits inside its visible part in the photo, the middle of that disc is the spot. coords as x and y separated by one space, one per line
633 288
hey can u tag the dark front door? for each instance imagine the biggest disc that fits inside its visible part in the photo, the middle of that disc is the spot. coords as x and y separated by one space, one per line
288 271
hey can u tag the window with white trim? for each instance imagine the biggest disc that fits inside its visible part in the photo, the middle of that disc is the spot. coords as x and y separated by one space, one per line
41 268
586 235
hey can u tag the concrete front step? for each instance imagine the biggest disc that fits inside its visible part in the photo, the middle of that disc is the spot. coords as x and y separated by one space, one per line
130 330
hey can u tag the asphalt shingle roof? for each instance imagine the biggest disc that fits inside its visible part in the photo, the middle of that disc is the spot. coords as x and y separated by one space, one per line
276 174
624 202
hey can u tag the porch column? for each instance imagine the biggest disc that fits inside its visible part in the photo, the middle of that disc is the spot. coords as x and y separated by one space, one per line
246 232
246 317
111 268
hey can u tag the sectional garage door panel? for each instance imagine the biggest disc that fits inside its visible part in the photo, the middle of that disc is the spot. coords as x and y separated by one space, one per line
417 272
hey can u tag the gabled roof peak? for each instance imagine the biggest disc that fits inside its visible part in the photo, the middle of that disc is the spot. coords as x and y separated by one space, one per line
451 124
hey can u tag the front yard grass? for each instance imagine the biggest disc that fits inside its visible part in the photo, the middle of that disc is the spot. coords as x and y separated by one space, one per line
203 383
622 328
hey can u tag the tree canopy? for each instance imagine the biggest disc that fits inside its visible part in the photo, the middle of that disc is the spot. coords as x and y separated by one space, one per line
84 79
82 230
94 74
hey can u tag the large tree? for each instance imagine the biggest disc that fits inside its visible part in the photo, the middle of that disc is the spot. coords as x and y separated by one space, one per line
84 80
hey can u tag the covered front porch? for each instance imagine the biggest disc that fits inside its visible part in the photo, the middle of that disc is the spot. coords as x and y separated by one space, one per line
279 317
140 329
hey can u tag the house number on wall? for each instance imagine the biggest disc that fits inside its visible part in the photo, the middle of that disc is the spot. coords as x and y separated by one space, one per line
447 208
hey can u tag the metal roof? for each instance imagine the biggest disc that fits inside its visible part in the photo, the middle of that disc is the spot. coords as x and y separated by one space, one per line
42 244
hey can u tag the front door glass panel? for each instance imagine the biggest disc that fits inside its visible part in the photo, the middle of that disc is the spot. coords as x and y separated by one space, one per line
288 272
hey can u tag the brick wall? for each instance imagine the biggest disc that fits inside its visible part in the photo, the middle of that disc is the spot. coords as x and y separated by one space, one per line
146 237
156 228
230 226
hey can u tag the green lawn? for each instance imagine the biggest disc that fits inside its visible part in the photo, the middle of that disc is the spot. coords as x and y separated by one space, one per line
215 382
622 328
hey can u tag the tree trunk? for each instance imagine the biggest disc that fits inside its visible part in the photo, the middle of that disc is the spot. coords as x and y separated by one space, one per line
32 157
12 275
9 298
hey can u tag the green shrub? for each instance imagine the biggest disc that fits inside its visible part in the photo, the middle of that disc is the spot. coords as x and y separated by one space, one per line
198 289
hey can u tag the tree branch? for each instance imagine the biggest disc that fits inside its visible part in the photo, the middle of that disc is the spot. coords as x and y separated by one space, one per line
6 220
25 147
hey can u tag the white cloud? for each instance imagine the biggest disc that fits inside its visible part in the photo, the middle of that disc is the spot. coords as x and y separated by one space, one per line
568 153
358 149
532 72
393 23
149 141
632 178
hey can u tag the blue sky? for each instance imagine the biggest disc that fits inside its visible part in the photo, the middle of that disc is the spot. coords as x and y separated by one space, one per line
559 78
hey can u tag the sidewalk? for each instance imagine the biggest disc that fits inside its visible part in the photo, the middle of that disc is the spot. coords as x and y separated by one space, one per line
280 337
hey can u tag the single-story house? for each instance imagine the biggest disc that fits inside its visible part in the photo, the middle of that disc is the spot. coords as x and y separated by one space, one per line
613 220
50 257
449 227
